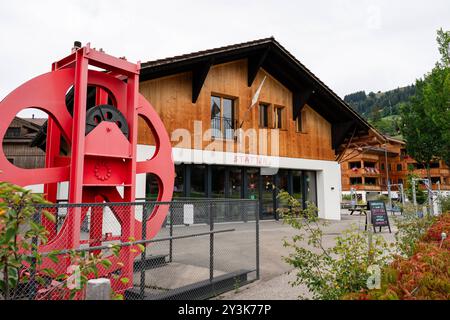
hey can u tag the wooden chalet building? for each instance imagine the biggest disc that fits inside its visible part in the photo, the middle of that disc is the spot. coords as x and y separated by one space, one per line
370 160
17 140
204 97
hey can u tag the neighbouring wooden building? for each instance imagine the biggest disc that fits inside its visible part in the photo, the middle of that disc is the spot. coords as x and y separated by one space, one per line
17 140
298 123
370 160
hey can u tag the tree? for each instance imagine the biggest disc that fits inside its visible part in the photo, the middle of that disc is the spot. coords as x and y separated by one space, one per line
421 196
425 120
437 94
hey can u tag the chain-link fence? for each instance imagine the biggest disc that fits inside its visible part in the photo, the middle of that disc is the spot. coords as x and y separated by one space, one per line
199 249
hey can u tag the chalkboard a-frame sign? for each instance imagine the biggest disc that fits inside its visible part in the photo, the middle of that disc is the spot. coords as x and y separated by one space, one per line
378 214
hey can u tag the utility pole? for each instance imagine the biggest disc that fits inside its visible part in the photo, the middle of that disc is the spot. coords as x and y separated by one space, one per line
388 182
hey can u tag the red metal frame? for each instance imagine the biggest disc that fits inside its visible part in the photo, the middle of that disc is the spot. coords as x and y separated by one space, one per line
47 92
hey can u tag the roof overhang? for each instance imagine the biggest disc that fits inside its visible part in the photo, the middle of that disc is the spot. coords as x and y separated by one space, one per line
279 63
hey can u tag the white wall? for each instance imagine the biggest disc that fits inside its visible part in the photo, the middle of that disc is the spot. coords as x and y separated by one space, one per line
328 172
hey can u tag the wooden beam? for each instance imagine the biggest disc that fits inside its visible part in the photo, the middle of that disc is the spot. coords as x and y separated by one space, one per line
339 132
254 63
199 74
299 99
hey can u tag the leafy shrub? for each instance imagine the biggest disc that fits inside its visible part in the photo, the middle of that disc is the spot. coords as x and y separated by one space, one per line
424 275
329 273
410 229
18 251
444 202
434 233
383 198
346 197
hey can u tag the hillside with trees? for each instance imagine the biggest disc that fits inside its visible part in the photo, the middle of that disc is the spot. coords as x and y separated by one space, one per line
382 109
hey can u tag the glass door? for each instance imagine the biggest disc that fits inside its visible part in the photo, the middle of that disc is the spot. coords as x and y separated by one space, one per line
268 198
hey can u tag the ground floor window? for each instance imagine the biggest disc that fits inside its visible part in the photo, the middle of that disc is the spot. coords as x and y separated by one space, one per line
198 181
203 181
218 177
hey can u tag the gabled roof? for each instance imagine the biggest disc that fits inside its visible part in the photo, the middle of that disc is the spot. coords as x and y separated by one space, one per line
275 59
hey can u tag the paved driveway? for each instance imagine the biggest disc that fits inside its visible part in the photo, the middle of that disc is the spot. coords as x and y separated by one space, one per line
274 283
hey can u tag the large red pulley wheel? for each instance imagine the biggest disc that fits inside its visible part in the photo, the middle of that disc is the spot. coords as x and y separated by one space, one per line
110 133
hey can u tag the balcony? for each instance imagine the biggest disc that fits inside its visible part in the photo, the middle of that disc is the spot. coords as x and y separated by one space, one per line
371 171
223 128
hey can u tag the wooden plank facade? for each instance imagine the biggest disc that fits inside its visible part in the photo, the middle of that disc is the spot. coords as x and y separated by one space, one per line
171 97
16 143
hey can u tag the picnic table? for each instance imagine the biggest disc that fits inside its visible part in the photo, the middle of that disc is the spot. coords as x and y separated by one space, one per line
361 208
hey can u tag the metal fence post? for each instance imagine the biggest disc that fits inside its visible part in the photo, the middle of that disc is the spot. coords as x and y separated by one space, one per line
211 243
34 241
144 252
170 233
256 205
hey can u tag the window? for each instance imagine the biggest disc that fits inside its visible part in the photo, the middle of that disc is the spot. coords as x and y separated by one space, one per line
218 181
252 183
178 187
235 185
310 186
151 187
264 115
300 124
11 160
355 180
198 180
382 166
370 181
222 117
355 165
400 181
434 165
279 118
369 164
297 185
12 132
435 180
399 167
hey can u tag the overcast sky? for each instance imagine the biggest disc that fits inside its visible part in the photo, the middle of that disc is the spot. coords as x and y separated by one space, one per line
350 45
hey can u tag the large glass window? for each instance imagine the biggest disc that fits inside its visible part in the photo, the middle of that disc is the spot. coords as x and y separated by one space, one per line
253 183
218 182
283 184
297 185
268 194
151 188
198 174
235 183
222 117
310 186
178 187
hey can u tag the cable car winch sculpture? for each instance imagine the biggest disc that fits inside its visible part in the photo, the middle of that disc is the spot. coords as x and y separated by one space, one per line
93 116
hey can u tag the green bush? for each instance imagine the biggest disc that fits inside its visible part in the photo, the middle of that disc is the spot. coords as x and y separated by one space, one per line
329 273
444 202
410 228
18 252
424 275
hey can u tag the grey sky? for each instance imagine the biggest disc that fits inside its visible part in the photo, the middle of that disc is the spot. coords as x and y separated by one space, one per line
350 45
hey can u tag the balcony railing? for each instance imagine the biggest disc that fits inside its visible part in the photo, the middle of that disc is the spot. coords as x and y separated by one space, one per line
223 127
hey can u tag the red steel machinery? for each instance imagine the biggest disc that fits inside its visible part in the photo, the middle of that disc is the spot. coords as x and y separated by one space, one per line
93 103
